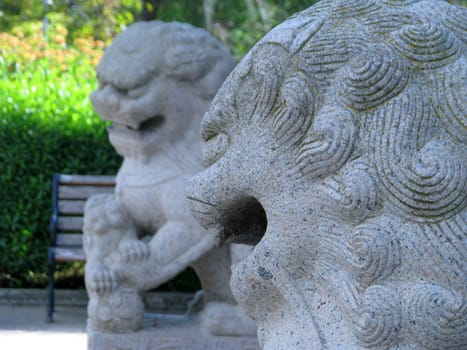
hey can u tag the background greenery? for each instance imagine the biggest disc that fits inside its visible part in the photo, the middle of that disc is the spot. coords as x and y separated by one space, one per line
46 125
237 23
48 51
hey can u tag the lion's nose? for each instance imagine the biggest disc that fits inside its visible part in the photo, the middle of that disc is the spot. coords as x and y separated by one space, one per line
203 199
225 208
110 97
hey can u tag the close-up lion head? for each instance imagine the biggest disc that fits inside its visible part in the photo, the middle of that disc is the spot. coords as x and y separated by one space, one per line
338 147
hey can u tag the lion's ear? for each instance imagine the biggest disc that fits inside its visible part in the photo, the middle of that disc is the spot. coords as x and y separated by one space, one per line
188 62
294 110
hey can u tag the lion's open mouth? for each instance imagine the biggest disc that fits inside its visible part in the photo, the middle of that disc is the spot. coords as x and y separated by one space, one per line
242 221
137 131
245 222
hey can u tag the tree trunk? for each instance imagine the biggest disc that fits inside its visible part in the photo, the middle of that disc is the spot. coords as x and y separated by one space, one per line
149 10
263 13
208 7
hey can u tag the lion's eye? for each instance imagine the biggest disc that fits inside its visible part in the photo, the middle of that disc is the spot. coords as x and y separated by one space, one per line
120 91
137 92
215 148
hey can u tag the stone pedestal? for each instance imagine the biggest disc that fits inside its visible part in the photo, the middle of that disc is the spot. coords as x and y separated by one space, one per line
164 332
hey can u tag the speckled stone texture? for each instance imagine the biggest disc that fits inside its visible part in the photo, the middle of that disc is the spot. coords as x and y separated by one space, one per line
156 80
338 148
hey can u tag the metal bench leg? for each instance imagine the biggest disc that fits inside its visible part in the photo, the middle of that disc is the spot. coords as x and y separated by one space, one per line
50 292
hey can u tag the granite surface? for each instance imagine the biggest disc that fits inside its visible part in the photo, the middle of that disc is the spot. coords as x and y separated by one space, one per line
337 147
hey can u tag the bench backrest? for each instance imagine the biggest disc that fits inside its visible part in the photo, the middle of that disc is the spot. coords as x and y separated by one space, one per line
70 193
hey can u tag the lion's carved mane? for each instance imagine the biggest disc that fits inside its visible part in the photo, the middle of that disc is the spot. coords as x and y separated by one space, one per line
347 125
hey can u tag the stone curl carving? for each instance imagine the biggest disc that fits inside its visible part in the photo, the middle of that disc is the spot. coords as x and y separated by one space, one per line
373 77
436 317
338 148
353 190
380 320
447 99
427 45
375 254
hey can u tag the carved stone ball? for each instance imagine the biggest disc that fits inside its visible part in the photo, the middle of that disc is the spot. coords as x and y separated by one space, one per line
116 312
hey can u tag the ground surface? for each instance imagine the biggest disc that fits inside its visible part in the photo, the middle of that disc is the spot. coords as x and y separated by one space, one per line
24 327
23 323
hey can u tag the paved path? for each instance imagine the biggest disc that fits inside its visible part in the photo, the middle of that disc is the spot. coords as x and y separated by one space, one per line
25 328
23 323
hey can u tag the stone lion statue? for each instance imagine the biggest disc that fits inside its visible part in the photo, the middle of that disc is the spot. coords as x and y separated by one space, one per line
111 239
156 80
338 147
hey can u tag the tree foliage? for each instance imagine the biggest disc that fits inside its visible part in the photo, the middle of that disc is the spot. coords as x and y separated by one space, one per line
237 23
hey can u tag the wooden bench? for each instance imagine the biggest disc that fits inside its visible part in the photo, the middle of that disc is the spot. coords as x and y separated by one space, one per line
69 195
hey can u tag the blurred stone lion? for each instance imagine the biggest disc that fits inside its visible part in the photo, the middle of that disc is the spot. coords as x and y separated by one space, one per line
156 80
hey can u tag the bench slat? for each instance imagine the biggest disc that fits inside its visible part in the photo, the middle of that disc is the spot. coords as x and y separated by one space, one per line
99 180
69 254
66 206
70 223
70 239
82 192
70 193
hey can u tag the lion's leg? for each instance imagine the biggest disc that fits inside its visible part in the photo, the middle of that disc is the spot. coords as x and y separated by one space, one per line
213 270
174 247
221 315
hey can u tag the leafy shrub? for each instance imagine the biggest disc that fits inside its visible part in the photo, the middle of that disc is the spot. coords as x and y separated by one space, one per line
47 125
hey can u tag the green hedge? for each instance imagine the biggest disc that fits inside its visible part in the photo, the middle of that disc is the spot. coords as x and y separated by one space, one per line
47 125
30 152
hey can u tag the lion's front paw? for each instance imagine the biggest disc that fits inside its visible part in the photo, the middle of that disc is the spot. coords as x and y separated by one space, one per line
224 319
102 281
134 251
